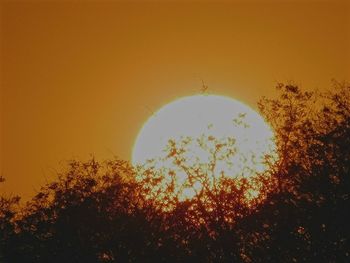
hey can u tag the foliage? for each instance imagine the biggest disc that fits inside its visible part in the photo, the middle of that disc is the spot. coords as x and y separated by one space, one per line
7 215
104 212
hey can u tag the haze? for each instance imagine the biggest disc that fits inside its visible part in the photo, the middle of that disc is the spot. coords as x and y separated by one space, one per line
80 79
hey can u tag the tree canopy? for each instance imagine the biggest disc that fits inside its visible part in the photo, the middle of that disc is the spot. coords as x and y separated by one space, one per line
109 212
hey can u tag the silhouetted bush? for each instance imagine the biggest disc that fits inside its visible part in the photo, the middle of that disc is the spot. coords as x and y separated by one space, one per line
106 212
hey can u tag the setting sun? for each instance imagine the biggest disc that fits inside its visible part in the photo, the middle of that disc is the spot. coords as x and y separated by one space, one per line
174 131
216 135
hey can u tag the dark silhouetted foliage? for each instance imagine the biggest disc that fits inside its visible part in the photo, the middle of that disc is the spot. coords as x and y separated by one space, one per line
101 212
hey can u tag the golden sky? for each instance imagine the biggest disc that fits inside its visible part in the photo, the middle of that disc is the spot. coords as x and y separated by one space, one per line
81 78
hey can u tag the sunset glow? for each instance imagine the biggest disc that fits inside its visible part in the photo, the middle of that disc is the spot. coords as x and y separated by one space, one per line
174 131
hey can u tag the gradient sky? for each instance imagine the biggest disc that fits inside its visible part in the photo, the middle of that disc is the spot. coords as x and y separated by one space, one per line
81 79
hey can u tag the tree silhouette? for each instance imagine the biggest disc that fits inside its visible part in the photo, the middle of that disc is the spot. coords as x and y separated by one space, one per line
113 212
7 214
311 209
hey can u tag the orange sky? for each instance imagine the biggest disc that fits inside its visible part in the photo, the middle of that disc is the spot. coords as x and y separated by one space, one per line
80 79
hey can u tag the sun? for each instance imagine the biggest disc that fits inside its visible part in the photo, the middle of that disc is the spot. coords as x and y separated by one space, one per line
213 134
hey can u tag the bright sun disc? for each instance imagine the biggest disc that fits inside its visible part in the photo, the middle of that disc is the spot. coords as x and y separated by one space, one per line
200 128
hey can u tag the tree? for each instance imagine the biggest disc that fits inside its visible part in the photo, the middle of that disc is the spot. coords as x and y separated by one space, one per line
8 207
112 212
311 209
